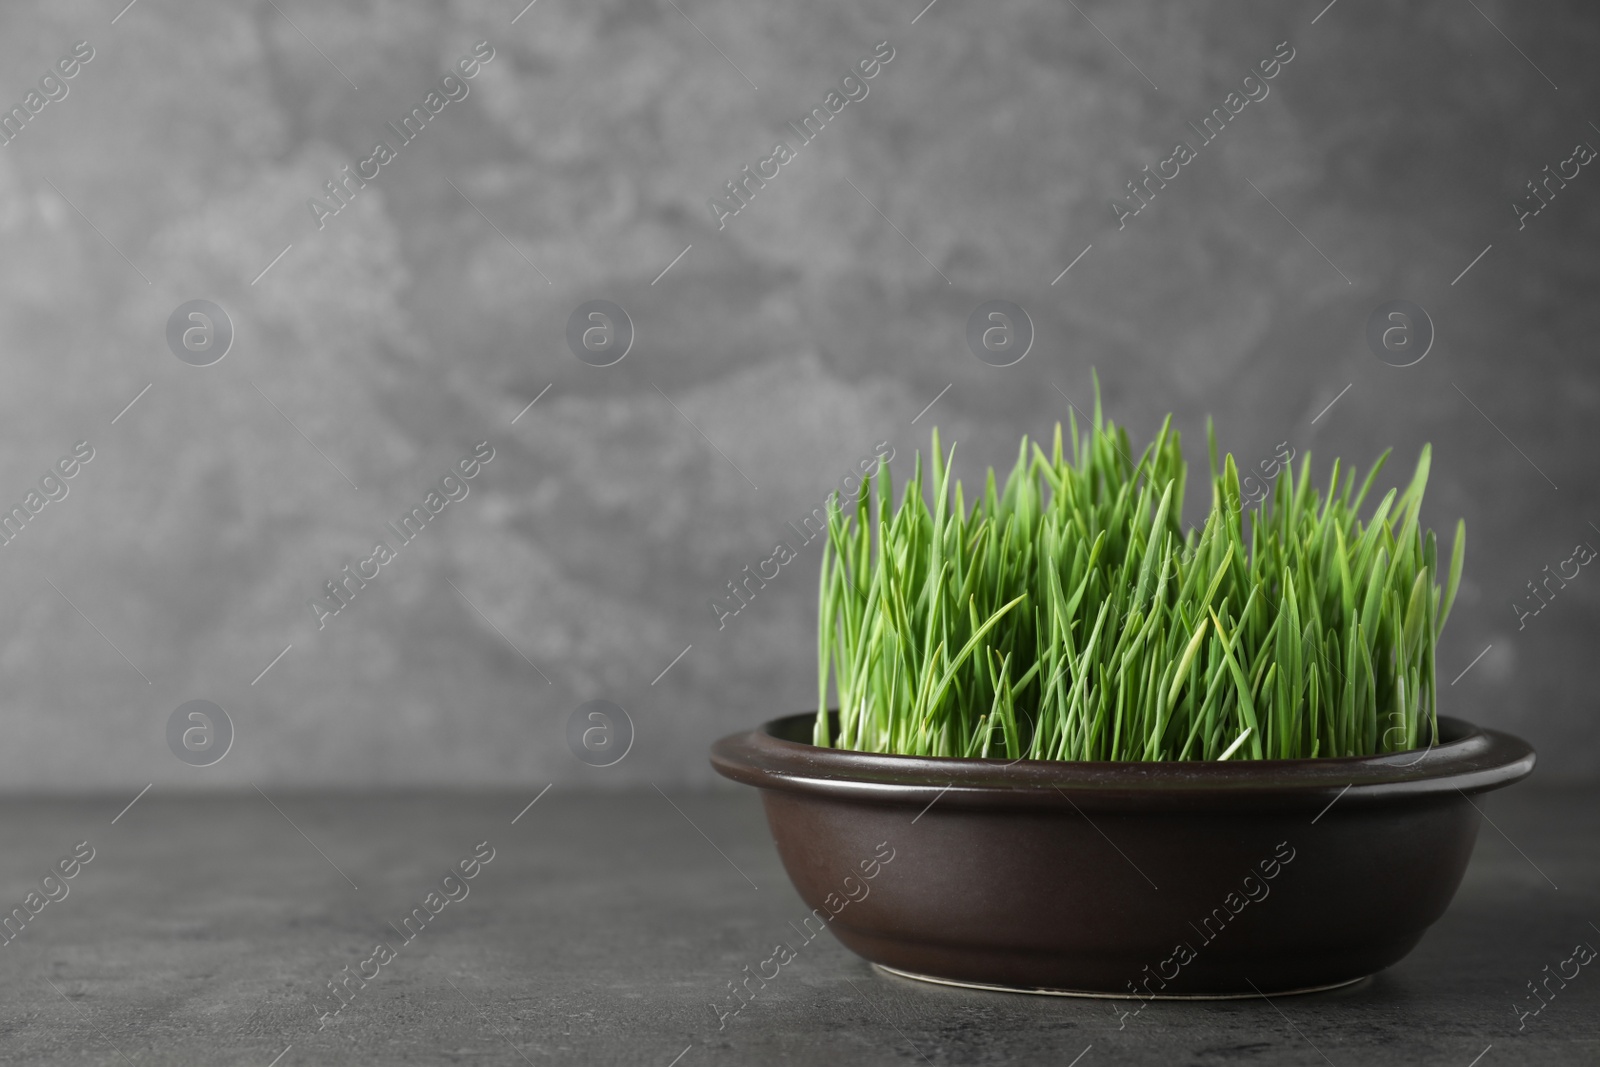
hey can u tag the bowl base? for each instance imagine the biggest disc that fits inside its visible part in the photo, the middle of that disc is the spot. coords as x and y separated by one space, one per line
1043 992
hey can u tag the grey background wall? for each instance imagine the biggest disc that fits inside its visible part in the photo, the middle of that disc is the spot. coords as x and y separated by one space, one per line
775 352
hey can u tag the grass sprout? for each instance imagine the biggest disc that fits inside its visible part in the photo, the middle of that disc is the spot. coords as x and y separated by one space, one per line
1068 616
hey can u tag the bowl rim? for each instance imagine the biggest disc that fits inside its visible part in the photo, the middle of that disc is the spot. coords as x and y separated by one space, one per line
1468 759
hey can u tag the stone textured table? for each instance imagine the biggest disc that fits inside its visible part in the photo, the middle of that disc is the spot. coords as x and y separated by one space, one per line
205 930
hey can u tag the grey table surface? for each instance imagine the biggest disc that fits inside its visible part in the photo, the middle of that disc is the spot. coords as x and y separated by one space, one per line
205 931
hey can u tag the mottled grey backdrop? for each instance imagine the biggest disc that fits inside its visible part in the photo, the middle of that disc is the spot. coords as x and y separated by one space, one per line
776 352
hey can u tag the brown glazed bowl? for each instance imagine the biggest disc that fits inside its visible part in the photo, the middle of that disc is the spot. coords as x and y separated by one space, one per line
1144 880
